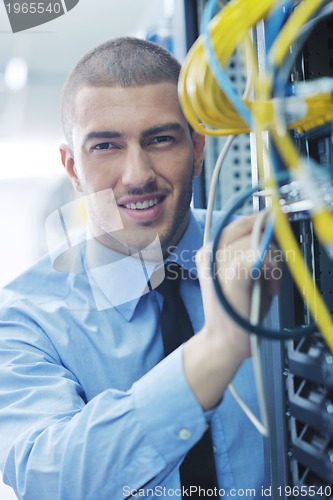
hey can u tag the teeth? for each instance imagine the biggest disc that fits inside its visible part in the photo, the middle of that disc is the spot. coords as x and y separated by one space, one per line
142 205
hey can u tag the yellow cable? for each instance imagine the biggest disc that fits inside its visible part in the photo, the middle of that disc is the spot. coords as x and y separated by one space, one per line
204 103
296 264
196 77
303 278
323 220
209 112
288 33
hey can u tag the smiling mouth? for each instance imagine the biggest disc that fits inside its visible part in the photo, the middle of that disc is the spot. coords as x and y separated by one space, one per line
143 205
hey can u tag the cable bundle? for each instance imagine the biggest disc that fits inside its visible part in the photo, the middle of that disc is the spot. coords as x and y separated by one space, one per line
213 107
210 103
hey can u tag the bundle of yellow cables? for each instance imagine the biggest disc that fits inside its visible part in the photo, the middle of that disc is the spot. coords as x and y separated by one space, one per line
206 105
209 111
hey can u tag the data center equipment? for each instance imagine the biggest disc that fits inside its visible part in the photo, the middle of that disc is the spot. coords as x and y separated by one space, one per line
303 384
277 113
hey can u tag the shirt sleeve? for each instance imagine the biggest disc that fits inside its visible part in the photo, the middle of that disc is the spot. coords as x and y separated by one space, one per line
55 444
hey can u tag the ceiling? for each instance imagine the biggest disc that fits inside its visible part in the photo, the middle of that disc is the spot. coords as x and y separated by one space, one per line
50 50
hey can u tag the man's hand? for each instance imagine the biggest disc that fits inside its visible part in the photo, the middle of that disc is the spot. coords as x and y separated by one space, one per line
234 267
212 357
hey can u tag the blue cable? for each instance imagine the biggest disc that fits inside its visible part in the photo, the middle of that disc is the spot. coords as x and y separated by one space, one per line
281 334
216 67
276 20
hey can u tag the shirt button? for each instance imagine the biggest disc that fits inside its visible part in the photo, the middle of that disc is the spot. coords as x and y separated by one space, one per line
184 434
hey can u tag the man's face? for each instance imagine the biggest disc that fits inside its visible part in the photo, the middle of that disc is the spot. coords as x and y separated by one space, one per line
134 143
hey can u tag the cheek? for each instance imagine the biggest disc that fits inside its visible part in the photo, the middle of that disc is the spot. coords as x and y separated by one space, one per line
96 176
186 177
182 168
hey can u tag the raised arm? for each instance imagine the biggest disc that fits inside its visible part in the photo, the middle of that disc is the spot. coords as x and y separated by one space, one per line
213 356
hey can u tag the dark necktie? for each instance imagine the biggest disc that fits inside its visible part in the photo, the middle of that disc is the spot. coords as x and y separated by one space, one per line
198 467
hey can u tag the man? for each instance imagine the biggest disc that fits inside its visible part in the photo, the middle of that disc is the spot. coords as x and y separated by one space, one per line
90 407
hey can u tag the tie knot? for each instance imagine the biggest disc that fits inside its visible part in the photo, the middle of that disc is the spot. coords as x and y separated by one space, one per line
170 285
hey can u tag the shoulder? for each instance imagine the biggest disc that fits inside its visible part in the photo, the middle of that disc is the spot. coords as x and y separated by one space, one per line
40 284
200 214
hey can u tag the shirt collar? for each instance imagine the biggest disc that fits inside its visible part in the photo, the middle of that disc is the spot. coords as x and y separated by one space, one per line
119 281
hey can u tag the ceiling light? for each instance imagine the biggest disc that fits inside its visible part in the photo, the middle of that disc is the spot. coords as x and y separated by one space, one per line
16 74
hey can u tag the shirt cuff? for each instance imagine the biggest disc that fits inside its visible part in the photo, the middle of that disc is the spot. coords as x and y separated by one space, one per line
169 413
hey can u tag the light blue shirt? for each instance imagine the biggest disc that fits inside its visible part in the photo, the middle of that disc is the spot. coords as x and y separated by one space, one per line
89 409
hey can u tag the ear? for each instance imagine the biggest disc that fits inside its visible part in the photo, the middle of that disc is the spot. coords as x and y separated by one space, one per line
199 151
67 159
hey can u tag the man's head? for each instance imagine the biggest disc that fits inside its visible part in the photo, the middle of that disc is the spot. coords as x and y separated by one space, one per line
120 62
127 136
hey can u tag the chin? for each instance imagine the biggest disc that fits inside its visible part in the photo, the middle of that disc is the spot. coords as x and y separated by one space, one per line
136 241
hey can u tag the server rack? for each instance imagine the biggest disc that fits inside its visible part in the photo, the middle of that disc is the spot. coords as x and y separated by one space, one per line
299 373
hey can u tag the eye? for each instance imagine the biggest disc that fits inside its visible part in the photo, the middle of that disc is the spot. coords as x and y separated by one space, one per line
103 146
161 139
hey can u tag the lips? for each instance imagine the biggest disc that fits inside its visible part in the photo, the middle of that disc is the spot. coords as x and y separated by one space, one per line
142 205
142 209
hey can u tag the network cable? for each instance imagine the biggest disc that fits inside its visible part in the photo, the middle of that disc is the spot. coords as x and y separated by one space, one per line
213 107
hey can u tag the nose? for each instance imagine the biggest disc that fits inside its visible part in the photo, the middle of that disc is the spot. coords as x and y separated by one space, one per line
137 168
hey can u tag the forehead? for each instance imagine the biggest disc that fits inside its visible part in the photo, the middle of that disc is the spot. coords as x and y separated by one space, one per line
127 107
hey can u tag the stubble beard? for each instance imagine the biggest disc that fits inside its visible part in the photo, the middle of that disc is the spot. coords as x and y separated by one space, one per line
135 240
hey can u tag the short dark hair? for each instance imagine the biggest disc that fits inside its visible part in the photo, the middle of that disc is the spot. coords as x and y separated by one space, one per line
120 62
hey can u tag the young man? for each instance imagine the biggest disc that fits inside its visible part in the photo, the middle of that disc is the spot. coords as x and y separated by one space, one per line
90 407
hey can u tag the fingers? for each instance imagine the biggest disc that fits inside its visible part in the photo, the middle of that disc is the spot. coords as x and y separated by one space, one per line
233 266
237 229
218 324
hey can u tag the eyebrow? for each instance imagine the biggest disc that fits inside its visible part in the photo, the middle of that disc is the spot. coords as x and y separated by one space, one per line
102 135
118 135
162 128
